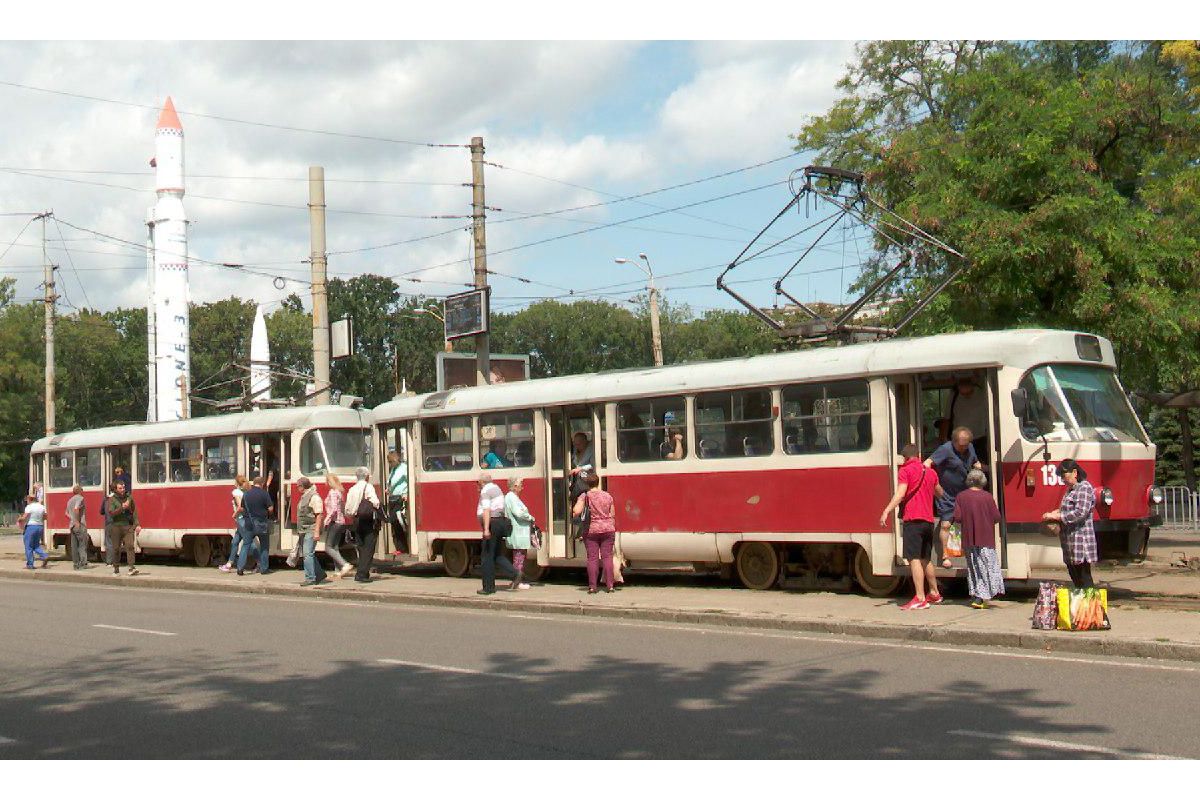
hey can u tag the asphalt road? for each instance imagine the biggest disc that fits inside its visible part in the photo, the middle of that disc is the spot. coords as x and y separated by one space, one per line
118 672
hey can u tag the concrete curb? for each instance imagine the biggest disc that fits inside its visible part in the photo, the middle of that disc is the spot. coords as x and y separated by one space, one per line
1098 643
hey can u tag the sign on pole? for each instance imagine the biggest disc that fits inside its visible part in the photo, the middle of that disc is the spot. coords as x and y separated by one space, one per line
341 335
466 314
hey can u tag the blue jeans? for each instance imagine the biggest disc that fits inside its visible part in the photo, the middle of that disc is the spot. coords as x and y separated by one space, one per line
313 571
241 538
258 530
33 544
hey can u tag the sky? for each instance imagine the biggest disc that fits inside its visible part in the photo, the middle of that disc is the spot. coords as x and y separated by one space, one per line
565 124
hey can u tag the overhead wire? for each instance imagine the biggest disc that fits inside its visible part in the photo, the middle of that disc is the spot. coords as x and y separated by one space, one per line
366 137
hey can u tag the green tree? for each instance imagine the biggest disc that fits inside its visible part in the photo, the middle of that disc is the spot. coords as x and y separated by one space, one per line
1065 173
289 329
573 338
220 335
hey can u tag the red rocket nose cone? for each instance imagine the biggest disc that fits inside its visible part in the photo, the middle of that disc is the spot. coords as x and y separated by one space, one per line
154 162
168 118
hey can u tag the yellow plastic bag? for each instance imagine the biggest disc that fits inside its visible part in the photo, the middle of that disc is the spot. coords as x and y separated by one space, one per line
1082 609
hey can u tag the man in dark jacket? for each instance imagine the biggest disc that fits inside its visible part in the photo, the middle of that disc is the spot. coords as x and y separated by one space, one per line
258 507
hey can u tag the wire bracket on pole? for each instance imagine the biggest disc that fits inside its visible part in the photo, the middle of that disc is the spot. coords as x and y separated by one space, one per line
901 246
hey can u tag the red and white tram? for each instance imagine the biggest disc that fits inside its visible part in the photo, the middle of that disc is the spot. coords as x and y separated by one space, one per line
788 459
183 472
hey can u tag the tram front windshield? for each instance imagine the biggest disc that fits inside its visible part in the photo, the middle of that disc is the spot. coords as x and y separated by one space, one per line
338 449
1077 403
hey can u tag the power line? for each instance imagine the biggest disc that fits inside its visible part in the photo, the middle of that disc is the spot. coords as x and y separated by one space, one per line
229 119
71 261
141 190
600 227
148 174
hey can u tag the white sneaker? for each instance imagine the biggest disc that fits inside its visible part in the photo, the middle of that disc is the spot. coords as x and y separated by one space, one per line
291 562
345 570
524 586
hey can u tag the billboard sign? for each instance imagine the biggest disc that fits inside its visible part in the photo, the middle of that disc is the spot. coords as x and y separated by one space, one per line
458 369
466 314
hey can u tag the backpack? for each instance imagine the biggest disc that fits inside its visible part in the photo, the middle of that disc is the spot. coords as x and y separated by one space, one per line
1045 609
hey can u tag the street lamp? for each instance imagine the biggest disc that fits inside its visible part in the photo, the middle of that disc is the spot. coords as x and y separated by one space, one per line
449 346
655 334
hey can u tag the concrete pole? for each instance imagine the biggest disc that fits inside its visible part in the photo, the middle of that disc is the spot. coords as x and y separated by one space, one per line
655 332
50 298
320 304
483 357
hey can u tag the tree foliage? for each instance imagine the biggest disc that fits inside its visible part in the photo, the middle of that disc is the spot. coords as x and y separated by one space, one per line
1064 171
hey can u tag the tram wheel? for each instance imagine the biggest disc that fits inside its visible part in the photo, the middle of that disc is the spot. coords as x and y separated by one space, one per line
456 558
874 585
758 565
202 551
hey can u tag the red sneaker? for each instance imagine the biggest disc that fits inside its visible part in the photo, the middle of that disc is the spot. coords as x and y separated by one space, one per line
934 598
915 604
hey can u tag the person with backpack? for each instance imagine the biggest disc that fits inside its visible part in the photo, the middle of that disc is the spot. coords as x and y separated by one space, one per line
362 505
914 497
257 506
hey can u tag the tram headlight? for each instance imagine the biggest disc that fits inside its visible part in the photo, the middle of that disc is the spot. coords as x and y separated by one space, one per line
1107 496
1156 495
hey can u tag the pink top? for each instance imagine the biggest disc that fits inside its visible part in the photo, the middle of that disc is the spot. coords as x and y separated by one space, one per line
600 504
333 508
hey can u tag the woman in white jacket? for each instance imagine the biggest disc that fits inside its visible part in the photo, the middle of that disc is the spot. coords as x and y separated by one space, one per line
522 523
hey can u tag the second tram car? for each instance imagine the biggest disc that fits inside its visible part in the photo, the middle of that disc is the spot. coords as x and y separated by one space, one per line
182 473
787 459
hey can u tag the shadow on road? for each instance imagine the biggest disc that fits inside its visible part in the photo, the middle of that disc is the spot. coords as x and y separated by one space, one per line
191 704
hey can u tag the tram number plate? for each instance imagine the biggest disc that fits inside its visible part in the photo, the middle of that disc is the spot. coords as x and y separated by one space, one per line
1050 476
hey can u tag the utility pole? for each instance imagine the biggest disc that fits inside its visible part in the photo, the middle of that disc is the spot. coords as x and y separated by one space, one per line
50 298
320 304
655 333
483 356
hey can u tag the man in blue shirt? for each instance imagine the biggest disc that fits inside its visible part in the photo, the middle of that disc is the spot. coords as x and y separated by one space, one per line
496 456
952 460
258 506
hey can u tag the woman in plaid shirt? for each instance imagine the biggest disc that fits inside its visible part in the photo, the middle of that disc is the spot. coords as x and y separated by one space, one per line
1078 536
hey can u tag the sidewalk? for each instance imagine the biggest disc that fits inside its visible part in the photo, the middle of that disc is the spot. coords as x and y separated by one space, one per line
1155 609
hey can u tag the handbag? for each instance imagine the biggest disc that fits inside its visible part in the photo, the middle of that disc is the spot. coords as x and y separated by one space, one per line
535 536
582 521
1045 609
954 547
1083 609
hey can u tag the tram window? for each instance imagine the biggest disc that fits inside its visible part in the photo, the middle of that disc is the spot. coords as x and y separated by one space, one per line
152 462
87 467
506 440
185 460
734 424
62 468
447 444
826 418
220 457
646 429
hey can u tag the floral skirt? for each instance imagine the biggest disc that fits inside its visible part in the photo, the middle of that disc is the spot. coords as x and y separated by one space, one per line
983 572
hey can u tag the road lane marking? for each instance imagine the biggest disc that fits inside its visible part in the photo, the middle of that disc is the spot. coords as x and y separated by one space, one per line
5 740
831 639
133 630
457 670
1074 747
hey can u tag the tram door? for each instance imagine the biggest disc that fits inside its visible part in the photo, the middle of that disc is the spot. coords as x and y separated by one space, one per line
396 439
268 456
936 407
121 456
561 426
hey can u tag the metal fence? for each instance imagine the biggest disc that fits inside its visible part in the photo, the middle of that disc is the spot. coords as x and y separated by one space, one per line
1180 507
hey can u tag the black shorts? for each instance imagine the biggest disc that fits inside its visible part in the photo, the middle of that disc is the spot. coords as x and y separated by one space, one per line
918 540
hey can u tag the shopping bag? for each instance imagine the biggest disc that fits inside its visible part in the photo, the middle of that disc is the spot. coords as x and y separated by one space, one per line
1083 609
954 543
1045 609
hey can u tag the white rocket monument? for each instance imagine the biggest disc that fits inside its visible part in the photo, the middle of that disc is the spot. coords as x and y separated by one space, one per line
260 359
167 318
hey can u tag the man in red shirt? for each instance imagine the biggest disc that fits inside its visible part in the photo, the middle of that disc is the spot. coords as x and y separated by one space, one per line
914 495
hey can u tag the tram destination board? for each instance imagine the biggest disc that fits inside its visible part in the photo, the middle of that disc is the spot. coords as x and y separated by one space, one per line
466 314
